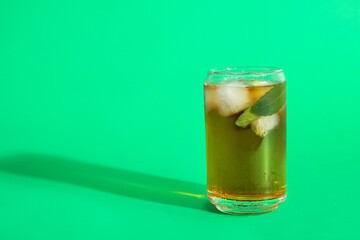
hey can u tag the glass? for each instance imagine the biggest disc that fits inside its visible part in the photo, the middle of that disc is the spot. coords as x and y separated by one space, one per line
245 119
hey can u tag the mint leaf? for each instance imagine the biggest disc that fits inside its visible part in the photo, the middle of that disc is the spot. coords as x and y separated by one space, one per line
246 118
267 105
271 102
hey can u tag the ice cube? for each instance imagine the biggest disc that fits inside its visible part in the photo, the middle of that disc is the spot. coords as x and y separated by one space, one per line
232 97
210 98
264 124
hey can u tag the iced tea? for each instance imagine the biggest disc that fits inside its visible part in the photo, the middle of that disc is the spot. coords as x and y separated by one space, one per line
246 144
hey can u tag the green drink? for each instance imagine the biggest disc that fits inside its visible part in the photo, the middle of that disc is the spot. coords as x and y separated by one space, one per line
245 116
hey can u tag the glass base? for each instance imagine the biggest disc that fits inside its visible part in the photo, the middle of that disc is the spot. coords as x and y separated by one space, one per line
246 207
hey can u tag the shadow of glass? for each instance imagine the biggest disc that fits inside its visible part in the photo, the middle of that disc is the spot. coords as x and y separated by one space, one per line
111 180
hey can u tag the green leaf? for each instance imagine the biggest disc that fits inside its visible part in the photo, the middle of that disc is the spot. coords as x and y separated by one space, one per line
267 105
246 118
271 102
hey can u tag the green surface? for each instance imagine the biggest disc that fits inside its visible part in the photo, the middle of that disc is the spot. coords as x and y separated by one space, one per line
102 103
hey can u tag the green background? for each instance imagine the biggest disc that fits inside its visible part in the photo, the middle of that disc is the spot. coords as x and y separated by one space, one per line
102 121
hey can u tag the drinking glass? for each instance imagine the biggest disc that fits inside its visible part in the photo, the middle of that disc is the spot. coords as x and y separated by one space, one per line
245 120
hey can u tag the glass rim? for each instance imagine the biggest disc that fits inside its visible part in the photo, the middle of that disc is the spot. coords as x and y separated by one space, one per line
245 70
